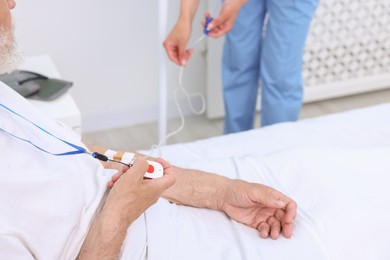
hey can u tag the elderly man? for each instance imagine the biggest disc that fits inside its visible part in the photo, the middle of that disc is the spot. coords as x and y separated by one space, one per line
56 203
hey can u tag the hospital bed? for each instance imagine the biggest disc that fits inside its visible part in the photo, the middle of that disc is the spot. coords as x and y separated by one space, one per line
336 167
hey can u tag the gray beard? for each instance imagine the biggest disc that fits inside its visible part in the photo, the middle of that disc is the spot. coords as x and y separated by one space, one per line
10 58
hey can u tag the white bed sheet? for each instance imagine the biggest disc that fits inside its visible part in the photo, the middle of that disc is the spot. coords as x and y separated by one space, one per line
336 167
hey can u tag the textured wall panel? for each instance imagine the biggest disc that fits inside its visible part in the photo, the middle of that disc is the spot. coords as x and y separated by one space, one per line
349 39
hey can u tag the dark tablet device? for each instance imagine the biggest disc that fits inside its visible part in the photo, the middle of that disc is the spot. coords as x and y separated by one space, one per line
35 86
17 81
50 89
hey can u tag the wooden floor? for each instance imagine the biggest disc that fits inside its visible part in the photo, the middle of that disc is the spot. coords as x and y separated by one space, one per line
143 136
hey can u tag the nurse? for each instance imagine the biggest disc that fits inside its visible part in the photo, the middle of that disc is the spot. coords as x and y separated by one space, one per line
264 46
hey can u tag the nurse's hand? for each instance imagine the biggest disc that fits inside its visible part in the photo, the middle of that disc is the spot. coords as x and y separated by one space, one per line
227 16
176 42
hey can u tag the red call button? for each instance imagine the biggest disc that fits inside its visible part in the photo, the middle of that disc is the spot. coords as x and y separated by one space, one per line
150 169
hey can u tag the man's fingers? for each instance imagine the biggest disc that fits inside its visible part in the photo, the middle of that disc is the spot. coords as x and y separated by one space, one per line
110 184
264 229
287 227
291 212
140 166
280 214
275 227
163 183
286 210
167 180
287 230
116 176
281 201
270 197
164 163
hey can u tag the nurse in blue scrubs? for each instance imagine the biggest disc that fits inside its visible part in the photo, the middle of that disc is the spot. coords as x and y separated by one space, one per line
264 45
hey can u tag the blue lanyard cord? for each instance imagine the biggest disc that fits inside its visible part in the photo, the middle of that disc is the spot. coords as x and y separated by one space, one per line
78 150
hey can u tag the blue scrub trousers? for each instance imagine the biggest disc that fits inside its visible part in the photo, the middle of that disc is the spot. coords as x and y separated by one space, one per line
272 56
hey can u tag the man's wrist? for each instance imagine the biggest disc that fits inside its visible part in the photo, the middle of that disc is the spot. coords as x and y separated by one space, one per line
213 193
222 194
104 238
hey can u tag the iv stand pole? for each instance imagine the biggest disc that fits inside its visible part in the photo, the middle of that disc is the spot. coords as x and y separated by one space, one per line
162 83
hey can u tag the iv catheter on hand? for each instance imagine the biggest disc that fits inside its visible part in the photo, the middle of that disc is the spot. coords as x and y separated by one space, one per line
155 169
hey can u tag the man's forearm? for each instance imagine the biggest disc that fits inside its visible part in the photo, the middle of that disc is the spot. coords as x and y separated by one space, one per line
104 239
192 188
197 189
125 202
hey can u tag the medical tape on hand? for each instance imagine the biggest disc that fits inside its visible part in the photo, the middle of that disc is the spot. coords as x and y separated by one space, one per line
126 158
110 154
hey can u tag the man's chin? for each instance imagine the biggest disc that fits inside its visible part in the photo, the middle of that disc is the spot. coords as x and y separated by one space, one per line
10 58
10 64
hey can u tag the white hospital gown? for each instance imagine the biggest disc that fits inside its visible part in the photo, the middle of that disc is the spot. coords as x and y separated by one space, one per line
47 202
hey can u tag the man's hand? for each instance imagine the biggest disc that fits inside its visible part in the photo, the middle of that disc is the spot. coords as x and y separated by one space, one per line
260 207
128 198
227 16
255 205
176 42
132 194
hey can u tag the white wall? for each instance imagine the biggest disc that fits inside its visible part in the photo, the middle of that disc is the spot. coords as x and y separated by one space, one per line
109 49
